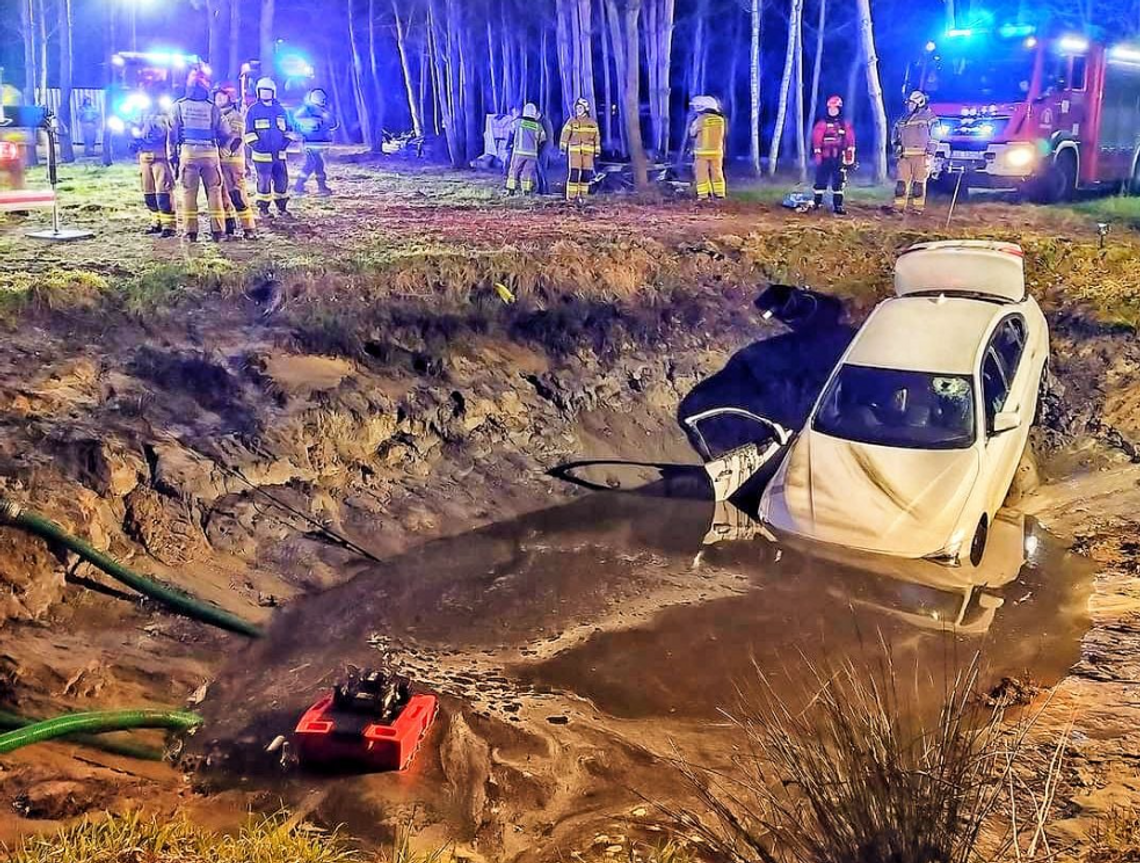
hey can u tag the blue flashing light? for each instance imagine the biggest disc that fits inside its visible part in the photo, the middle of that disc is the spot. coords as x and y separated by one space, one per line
295 66
1124 54
1031 42
1073 44
1014 31
960 33
931 47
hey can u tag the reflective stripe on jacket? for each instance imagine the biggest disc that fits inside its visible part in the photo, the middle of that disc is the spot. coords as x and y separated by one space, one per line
834 138
196 123
581 135
914 133
267 131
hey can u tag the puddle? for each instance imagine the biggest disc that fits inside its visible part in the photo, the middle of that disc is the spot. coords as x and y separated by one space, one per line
619 599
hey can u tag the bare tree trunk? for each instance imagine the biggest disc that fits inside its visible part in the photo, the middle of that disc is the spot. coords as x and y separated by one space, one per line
42 52
364 115
109 41
468 90
495 100
587 87
414 106
698 53
754 77
874 89
28 31
445 74
815 73
66 56
566 53
378 98
607 115
785 86
628 35
544 76
658 50
265 35
798 82
235 37
215 36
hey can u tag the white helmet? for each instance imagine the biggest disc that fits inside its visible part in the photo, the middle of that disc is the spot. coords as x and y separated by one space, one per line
266 84
582 108
530 111
917 100
704 103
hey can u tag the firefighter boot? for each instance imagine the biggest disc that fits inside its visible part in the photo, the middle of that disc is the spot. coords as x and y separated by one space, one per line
192 238
231 226
323 188
283 206
250 234
263 208
153 229
299 187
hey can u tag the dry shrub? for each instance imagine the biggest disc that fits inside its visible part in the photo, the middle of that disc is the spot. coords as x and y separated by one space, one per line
1115 838
855 777
346 440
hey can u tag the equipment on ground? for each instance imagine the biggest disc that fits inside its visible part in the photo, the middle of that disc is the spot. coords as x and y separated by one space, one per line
57 233
371 721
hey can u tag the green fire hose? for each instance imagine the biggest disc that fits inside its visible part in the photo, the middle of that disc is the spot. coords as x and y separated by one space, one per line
10 721
14 514
97 723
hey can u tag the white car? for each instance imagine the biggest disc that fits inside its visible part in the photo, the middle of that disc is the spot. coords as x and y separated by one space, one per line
913 444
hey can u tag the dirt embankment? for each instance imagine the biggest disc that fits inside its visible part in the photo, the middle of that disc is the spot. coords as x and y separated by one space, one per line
223 432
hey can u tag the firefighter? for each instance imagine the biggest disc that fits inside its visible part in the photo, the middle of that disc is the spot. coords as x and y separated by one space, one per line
833 146
528 138
268 131
582 143
235 195
545 154
196 131
316 124
89 125
150 139
913 139
707 134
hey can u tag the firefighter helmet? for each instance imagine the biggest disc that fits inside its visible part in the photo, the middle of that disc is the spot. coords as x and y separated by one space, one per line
582 108
266 83
836 103
318 96
229 90
198 85
700 104
917 100
530 111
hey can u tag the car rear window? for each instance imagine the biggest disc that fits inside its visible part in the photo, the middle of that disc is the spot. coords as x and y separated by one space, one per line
888 407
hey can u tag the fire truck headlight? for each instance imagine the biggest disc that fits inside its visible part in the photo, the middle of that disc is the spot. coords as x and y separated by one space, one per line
941 130
986 130
1020 156
116 125
165 103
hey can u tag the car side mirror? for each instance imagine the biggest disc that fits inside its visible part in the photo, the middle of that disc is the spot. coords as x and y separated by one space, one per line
1006 421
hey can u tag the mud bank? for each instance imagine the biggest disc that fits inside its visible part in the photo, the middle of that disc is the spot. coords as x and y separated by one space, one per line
232 446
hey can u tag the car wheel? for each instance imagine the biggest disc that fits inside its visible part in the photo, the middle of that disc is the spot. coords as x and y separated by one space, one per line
978 545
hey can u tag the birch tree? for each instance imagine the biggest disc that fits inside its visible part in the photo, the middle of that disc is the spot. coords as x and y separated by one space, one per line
235 59
406 66
794 23
659 23
754 81
818 63
215 36
266 29
66 57
874 89
625 17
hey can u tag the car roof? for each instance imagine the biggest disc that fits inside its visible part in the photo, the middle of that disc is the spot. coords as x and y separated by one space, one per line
929 334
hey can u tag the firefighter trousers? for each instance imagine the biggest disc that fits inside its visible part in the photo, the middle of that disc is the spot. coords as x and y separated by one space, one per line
236 197
708 174
830 172
913 176
523 173
158 189
272 184
581 173
202 168
314 166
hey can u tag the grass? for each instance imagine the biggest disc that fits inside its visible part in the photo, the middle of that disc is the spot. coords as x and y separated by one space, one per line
856 775
773 192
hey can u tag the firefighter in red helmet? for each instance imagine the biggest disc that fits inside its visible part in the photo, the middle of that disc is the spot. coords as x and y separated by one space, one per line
833 146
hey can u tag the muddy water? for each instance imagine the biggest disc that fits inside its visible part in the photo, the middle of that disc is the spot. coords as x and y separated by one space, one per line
650 606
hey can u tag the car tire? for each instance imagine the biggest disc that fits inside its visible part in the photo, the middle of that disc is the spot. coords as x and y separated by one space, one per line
978 543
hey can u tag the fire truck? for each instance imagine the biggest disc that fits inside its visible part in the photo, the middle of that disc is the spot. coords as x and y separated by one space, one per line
1045 114
142 76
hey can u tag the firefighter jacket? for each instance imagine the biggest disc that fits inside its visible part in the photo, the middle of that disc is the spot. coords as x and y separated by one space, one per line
316 125
151 134
833 138
914 133
581 137
529 136
268 131
233 148
197 124
708 133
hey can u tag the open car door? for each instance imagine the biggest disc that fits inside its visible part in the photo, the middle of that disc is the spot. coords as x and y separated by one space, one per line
737 446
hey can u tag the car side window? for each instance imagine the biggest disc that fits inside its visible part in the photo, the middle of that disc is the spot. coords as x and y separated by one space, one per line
1009 342
995 390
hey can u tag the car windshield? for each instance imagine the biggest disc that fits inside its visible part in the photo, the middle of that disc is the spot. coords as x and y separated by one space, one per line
999 78
888 407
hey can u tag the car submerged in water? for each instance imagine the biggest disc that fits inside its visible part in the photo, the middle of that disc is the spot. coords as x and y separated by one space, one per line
913 445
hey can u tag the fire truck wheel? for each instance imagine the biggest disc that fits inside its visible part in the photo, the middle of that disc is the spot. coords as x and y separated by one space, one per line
1060 181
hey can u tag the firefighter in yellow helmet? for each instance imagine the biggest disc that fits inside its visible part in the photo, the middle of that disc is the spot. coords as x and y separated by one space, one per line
582 143
528 138
197 131
708 133
150 139
235 195
914 145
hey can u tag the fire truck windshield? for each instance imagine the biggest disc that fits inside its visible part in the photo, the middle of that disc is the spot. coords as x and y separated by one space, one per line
980 79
